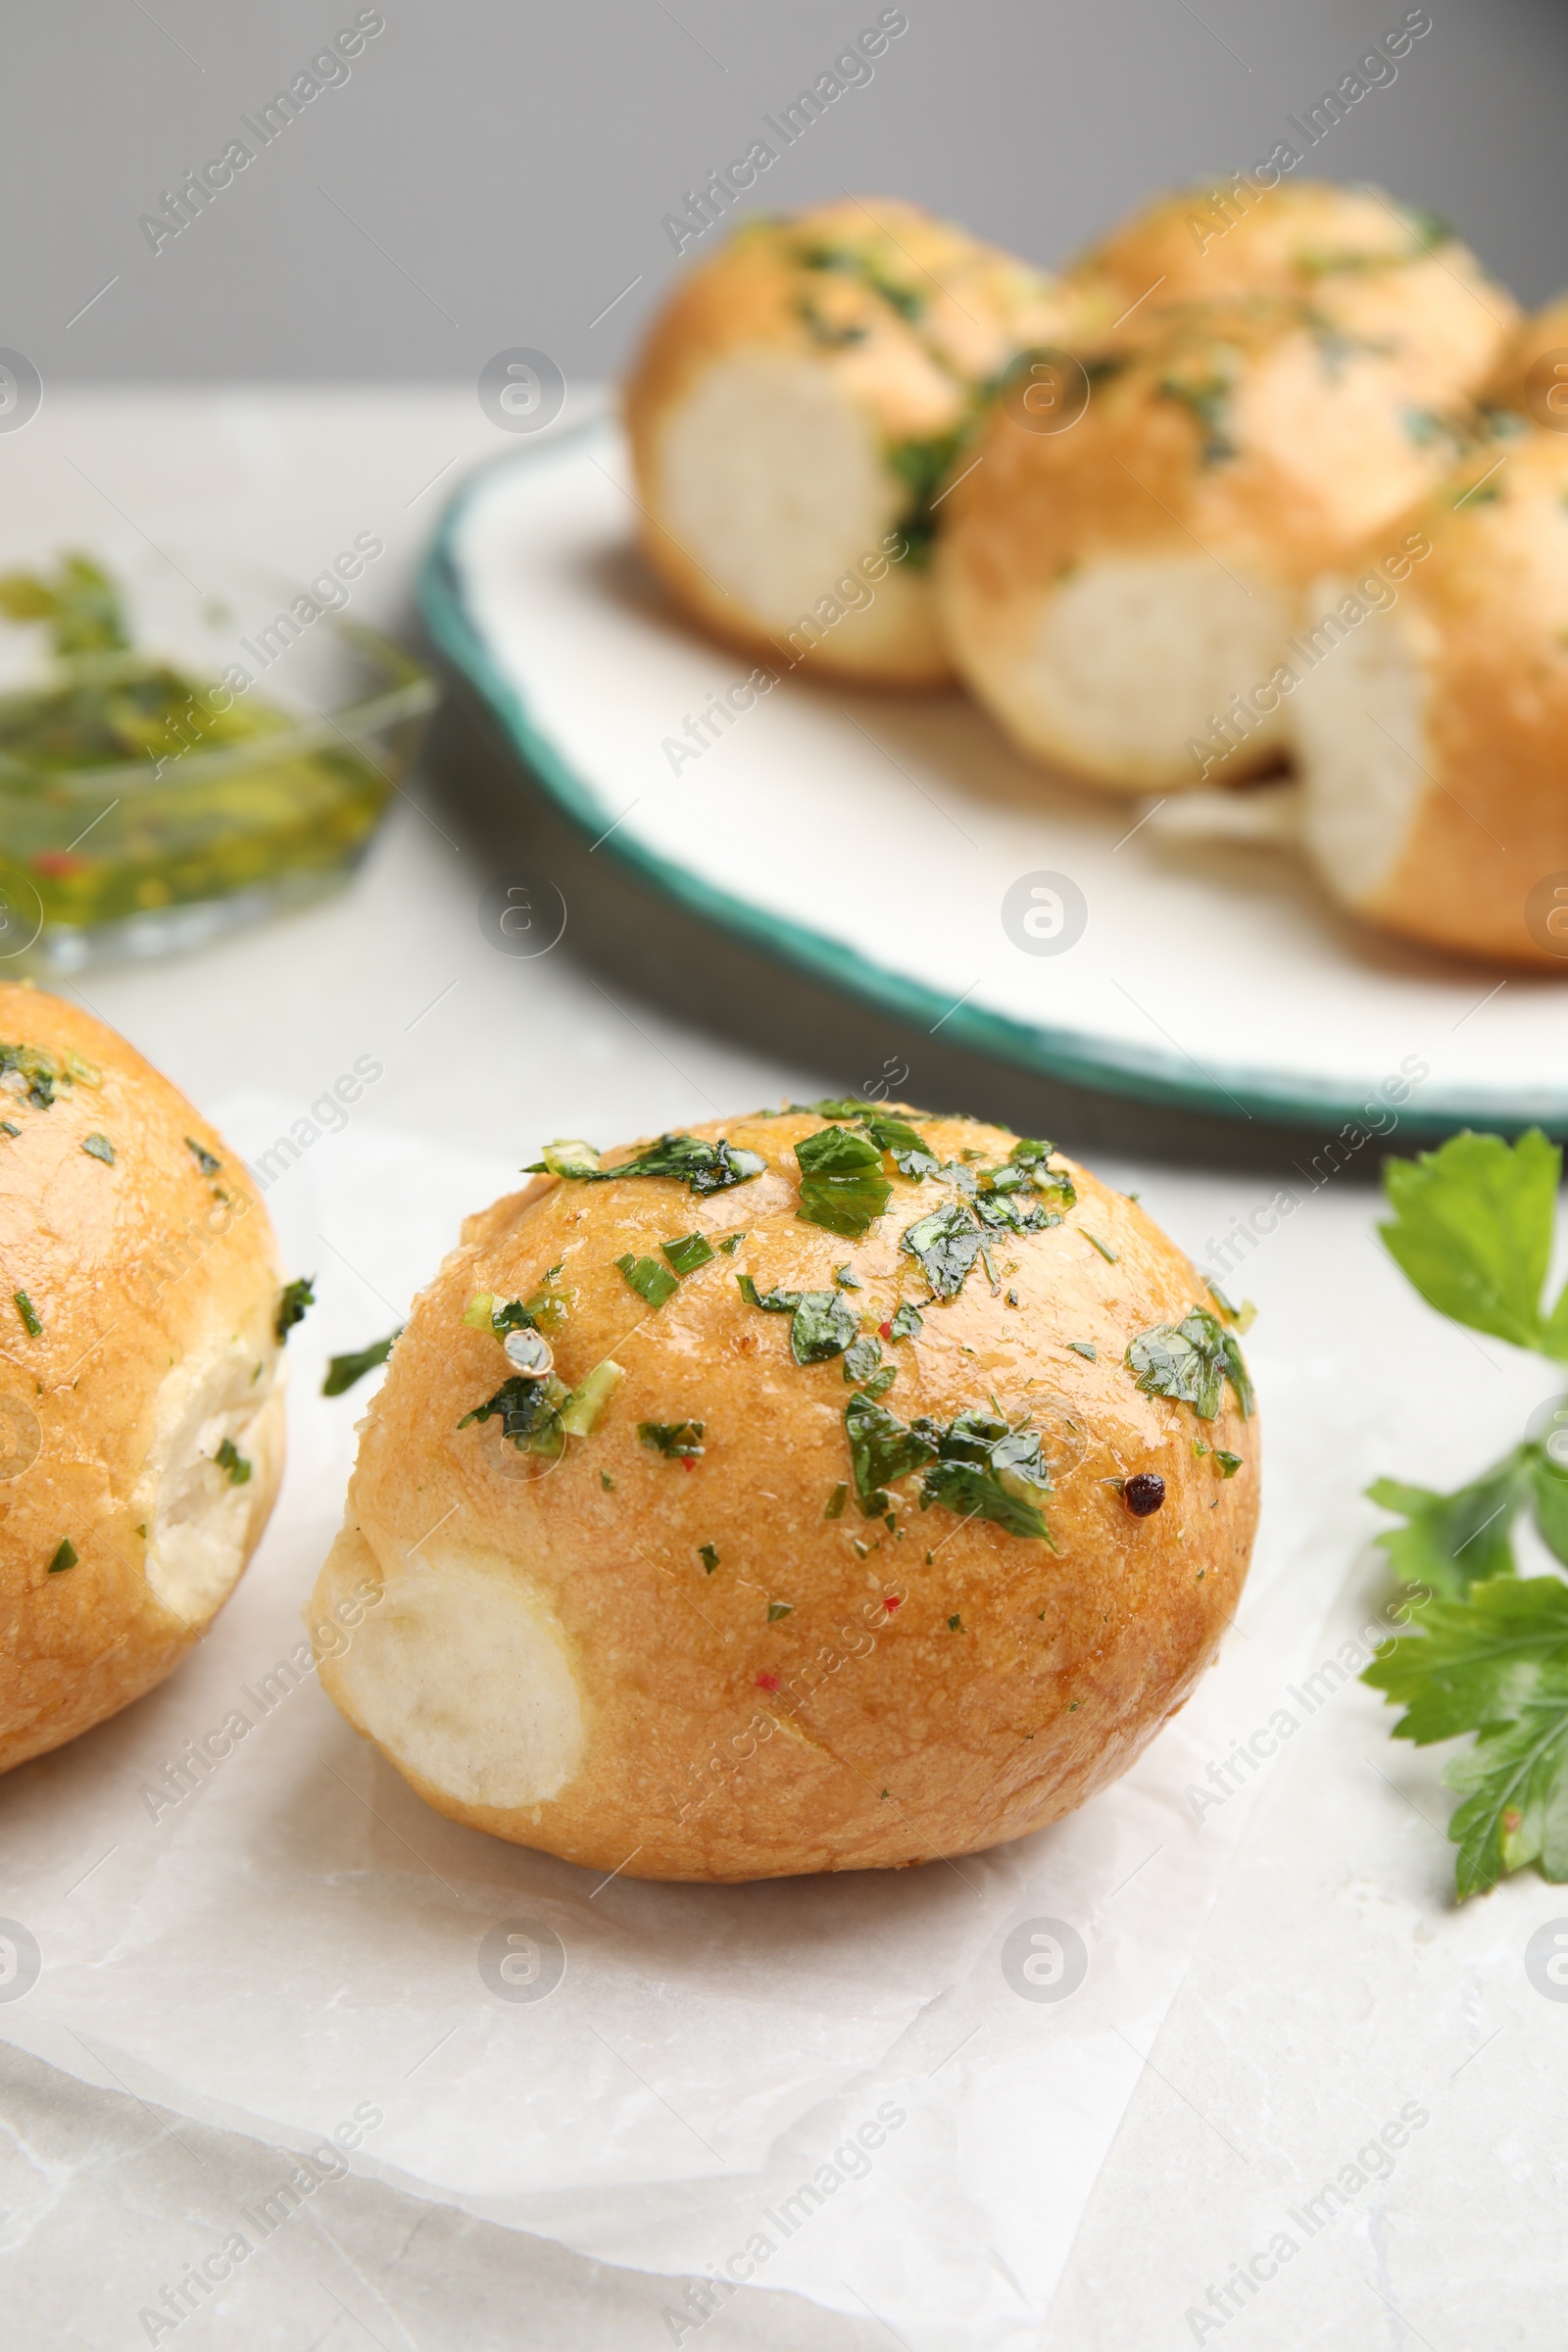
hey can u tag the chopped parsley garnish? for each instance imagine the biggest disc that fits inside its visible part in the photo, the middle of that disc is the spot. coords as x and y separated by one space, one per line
293 1299
580 1411
28 1314
544 1309
701 1166
842 1184
6 1128
881 1450
1111 1256
98 1146
1241 1318
823 1324
229 1457
1085 1349
922 465
732 1244
205 1161
836 1501
43 1073
676 1440
845 1277
986 1470
906 1321
1191 1361
343 1371
652 1283
862 1359
777 1609
65 1557
688 1253
1208 402
880 1382
528 1413
1229 1463
947 1241
607 1482
708 1558
955 1625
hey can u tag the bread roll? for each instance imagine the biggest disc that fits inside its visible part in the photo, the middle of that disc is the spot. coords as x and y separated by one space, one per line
1532 370
710 1639
793 413
1433 739
1367 266
1118 594
141 1415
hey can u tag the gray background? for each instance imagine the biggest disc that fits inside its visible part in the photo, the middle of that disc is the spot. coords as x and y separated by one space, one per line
496 171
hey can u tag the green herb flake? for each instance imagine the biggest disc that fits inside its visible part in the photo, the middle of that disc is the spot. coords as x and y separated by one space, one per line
862 1359
6 1128
906 1321
676 1440
1111 1256
823 1323
1229 1463
205 1161
882 1449
688 1253
652 1283
777 1609
607 1482
98 1146
1239 1318
986 1470
293 1301
1191 1361
955 1625
947 1242
229 1458
580 1411
65 1557
836 1501
845 1277
703 1167
708 1558
343 1371
732 1244
842 1185
28 1314
880 1382
529 1413
1085 1349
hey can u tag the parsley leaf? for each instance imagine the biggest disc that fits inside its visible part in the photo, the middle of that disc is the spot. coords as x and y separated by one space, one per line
1495 1664
292 1301
28 1314
862 1359
1452 1542
881 1450
824 1322
688 1253
703 1167
651 1282
98 1146
947 1242
1472 1230
66 1556
985 1470
906 1321
842 1184
344 1370
1190 1362
229 1457
528 1414
676 1440
206 1161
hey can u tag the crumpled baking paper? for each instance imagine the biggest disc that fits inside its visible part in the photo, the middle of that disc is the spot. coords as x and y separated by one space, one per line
890 2093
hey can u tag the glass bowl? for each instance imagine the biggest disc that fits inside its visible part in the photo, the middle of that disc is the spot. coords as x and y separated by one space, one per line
186 746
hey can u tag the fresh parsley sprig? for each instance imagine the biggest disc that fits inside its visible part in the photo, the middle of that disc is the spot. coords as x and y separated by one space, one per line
1473 1229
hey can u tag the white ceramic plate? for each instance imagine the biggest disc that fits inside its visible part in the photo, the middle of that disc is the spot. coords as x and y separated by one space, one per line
875 839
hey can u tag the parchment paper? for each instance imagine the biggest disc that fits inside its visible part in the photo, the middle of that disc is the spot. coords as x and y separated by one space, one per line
851 2085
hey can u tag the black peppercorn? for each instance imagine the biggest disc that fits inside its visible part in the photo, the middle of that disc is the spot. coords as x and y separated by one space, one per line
1144 1493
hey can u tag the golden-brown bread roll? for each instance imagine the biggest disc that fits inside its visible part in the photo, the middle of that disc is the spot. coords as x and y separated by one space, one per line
141 1416
1432 738
1532 369
1119 593
777 1594
796 407
1366 265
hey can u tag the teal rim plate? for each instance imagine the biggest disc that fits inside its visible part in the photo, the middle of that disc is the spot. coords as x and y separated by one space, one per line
895 847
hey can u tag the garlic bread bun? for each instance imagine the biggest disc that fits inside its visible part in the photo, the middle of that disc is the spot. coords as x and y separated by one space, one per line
795 410
1433 741
141 1416
1532 369
1367 266
707 1631
1112 592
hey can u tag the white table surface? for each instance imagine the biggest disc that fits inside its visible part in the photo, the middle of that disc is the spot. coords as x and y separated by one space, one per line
1333 1982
